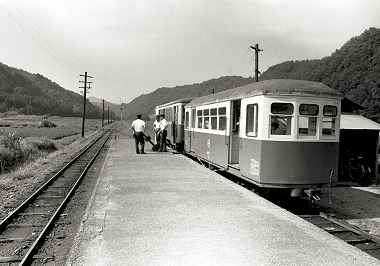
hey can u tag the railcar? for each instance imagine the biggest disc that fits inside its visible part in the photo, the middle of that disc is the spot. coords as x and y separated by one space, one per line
277 133
175 115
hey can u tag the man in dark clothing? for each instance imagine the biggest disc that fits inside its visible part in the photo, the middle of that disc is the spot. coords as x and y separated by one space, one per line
163 133
138 127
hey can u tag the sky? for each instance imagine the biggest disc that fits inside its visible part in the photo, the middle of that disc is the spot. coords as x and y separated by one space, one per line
135 47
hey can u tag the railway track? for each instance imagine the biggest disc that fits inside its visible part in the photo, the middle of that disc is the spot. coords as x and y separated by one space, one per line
346 232
24 229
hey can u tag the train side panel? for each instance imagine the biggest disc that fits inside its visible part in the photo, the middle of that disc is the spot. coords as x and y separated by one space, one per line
211 147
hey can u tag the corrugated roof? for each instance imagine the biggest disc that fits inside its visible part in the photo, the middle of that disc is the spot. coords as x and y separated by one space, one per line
351 121
270 87
183 100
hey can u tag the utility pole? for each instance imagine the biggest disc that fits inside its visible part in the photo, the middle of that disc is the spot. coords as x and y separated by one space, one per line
257 50
85 88
103 114
108 114
121 109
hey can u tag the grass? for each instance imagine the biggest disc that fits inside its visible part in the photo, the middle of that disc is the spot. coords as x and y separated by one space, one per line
22 140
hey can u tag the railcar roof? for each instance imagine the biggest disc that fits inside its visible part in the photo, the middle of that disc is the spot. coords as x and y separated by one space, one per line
270 87
183 100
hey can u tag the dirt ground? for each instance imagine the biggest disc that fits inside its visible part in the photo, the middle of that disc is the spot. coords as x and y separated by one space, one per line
358 206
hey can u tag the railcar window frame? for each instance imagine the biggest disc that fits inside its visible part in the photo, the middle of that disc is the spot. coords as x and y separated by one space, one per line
329 132
199 119
206 118
254 132
312 120
214 118
222 116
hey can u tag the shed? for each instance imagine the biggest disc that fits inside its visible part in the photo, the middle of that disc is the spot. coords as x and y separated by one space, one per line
359 138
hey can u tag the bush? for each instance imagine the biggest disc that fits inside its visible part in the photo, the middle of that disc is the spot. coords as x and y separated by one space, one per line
41 143
46 123
11 141
16 150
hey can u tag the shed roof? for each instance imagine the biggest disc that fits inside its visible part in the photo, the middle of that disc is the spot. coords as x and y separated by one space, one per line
270 87
352 121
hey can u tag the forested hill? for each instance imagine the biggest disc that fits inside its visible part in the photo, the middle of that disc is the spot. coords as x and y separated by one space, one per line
29 93
354 69
146 103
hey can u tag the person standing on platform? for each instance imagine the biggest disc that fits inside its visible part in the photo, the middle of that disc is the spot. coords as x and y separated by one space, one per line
138 127
163 133
156 128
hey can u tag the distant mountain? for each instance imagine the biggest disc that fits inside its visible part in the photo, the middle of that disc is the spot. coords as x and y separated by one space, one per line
114 108
29 93
146 103
354 70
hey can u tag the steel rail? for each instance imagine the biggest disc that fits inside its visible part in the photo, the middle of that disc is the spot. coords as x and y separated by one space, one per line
20 207
29 255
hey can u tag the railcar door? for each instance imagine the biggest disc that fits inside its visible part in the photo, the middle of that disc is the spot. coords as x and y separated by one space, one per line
233 159
189 128
175 122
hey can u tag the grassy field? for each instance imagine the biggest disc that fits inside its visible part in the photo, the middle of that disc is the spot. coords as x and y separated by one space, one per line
28 126
24 140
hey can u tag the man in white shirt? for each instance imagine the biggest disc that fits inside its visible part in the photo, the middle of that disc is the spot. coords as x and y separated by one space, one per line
156 128
163 133
138 127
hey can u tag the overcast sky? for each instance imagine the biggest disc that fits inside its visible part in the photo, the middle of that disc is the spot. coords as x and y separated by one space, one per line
134 47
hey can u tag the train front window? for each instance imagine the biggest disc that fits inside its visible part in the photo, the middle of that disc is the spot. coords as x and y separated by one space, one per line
329 120
282 108
281 125
281 118
307 121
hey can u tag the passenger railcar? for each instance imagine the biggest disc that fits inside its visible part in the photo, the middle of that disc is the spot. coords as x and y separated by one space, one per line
175 115
276 133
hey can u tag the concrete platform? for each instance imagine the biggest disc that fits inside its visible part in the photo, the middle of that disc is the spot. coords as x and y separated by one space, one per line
164 209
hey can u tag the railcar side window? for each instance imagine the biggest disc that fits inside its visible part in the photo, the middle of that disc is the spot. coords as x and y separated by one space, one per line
206 118
307 122
214 118
329 120
187 120
199 115
252 121
281 122
222 118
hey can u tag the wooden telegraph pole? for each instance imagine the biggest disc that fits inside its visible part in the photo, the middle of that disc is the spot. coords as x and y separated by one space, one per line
108 114
86 86
257 50
103 114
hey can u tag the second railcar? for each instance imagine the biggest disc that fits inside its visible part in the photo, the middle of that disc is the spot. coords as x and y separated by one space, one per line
175 115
